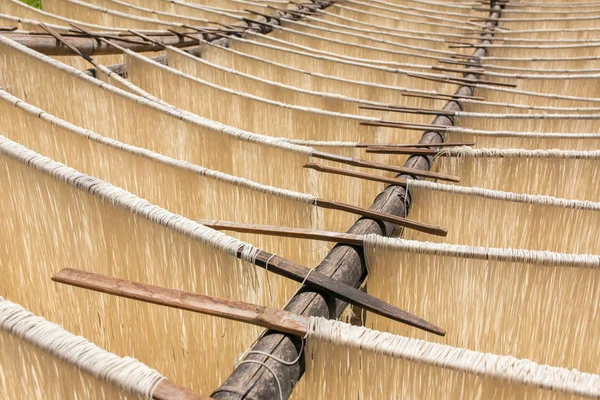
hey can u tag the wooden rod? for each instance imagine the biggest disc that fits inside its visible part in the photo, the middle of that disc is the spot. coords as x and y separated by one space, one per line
460 81
384 167
332 287
407 150
270 318
416 145
434 97
361 175
280 231
407 126
166 390
409 110
365 212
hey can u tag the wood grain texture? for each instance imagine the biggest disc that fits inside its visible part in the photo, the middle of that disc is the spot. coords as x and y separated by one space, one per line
344 263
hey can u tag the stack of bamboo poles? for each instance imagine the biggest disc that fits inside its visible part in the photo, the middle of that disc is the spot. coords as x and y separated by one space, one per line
139 130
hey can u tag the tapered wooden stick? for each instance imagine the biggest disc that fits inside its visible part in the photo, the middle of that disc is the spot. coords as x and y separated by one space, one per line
270 318
409 110
298 233
460 81
361 175
365 212
475 71
407 150
384 167
435 97
407 126
416 145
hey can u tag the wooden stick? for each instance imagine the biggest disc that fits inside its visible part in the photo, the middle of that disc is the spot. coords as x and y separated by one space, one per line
475 71
148 38
416 145
407 126
365 212
269 318
280 231
8 28
460 81
67 44
384 167
406 150
361 175
409 110
436 97
346 293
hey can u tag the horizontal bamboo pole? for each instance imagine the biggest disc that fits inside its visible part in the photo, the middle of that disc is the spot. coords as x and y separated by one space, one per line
46 44
345 263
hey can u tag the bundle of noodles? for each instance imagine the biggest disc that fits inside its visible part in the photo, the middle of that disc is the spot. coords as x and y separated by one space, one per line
541 306
363 363
420 22
55 216
511 219
86 102
240 82
170 183
372 37
192 9
92 14
19 9
277 72
253 113
200 17
559 173
42 360
327 18
408 59
269 48
374 49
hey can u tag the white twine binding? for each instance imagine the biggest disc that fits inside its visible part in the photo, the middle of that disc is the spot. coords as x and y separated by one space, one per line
523 372
127 373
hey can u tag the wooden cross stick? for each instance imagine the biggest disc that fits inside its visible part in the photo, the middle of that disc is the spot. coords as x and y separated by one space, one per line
409 110
406 150
381 166
346 293
281 231
270 318
415 145
459 81
407 126
361 175
365 212
442 97
262 316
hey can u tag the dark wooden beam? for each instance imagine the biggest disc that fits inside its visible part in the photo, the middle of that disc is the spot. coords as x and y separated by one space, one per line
345 263
48 45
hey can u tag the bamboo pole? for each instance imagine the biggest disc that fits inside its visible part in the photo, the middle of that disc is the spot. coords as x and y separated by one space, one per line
345 263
